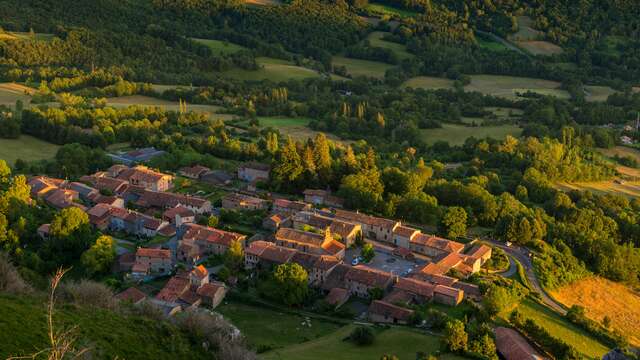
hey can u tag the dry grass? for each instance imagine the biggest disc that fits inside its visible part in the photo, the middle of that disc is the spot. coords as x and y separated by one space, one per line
10 280
12 92
601 297
86 293
628 188
538 47
528 39
428 83
509 86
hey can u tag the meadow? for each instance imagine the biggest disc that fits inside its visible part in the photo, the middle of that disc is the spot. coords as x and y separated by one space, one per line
630 189
529 39
267 328
357 67
601 297
375 39
382 9
561 328
598 93
457 134
295 127
12 92
402 342
428 83
509 86
220 47
272 69
26 148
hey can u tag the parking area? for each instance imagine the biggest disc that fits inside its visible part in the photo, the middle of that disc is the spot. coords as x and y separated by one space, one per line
385 261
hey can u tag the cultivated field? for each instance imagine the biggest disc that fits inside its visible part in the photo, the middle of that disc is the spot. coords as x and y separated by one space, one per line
457 134
598 93
220 47
528 39
146 101
26 148
272 69
508 86
428 83
627 188
375 39
561 328
601 297
357 67
12 92
403 343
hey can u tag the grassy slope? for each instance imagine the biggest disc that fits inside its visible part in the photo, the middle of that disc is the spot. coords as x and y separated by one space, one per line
457 134
507 86
389 10
266 327
428 83
403 343
562 329
220 47
601 298
107 334
26 148
357 67
375 39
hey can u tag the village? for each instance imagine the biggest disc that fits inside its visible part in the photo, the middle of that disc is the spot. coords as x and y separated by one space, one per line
171 239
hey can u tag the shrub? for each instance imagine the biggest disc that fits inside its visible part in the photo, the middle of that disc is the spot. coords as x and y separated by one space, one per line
10 280
362 336
89 293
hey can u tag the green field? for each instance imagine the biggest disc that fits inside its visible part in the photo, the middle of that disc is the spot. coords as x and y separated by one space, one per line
560 328
264 327
357 67
598 93
272 69
428 83
491 45
278 122
390 11
508 86
220 47
404 343
375 39
26 148
108 335
457 134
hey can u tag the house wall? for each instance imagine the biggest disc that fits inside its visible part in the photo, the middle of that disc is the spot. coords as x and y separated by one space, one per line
249 175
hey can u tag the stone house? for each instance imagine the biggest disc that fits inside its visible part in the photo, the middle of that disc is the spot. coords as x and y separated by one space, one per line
252 171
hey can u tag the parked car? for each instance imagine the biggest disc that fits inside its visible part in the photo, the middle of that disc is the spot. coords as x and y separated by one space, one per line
355 261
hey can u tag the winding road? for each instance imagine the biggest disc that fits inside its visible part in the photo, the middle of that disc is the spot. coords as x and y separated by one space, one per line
522 255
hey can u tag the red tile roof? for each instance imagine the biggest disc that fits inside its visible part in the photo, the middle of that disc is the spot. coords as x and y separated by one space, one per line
178 210
300 236
256 248
513 346
197 232
369 276
175 287
337 296
366 219
277 254
200 271
437 243
154 253
385 309
416 287
131 295
405 231
210 290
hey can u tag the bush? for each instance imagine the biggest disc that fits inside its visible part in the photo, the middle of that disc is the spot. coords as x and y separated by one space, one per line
215 332
89 293
362 336
10 280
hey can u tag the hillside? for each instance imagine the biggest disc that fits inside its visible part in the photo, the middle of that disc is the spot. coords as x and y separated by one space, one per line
107 334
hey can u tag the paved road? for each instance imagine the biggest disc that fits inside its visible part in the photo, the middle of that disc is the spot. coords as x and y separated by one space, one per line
511 270
522 255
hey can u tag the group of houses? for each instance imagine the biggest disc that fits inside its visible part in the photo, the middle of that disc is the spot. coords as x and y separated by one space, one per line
185 290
